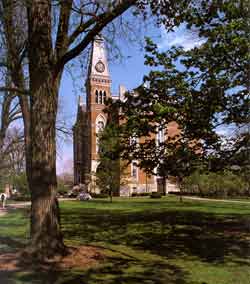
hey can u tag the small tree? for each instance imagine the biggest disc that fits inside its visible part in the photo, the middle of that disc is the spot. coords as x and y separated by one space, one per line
112 172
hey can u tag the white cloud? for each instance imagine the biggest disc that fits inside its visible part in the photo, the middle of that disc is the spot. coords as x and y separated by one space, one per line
179 37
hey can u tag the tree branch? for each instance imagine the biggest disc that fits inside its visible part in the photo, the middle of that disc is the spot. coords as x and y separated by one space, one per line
63 27
14 90
103 20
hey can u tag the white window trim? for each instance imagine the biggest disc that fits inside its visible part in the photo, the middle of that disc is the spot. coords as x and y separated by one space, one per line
137 171
99 118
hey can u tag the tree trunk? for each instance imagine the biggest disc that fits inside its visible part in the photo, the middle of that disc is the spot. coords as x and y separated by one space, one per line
46 236
111 195
180 186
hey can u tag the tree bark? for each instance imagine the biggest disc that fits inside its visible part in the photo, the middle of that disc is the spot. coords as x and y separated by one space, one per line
46 236
45 224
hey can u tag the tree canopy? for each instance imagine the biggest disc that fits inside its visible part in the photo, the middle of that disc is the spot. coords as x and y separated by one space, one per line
199 89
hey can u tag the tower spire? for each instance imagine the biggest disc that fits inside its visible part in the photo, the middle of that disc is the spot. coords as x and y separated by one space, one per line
98 64
80 101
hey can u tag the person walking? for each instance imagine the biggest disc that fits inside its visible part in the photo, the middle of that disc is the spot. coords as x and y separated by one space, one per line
3 197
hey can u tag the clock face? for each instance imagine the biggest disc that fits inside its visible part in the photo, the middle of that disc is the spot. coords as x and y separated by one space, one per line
99 66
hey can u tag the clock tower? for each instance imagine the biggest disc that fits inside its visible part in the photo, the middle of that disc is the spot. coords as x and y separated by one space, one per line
98 85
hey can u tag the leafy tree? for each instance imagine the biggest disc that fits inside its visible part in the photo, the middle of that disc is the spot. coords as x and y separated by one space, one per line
20 183
199 89
12 157
220 184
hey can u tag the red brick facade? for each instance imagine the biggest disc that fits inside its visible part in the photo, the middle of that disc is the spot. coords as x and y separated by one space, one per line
91 118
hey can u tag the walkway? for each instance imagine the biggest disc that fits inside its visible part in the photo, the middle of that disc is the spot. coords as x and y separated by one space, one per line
2 212
216 200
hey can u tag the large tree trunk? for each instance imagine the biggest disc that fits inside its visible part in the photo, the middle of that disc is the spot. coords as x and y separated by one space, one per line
46 236
45 226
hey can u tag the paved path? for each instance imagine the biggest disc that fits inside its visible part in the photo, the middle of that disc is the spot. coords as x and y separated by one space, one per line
217 200
10 206
2 212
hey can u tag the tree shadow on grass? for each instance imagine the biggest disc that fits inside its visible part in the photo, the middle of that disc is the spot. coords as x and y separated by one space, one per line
170 234
145 273
116 271
162 234
112 270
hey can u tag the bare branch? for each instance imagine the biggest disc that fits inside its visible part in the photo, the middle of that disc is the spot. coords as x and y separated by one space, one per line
103 20
14 90
63 27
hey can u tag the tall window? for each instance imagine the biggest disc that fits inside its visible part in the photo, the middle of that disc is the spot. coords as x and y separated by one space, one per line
96 97
100 97
100 124
134 140
160 137
104 97
134 171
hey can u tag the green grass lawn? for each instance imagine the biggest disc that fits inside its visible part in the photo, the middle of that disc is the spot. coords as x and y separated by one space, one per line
148 241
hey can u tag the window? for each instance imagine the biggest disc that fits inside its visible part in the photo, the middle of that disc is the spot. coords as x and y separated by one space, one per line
134 141
100 124
134 170
100 97
160 137
104 97
96 97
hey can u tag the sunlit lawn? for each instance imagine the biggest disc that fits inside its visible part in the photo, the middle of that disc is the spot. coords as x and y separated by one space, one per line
148 241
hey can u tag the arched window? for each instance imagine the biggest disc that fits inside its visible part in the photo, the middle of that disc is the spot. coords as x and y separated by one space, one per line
134 170
134 140
160 137
100 97
96 97
100 124
104 97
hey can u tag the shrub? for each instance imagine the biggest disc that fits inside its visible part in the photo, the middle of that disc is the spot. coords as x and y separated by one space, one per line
99 195
62 189
223 184
21 184
155 195
145 194
140 194
21 198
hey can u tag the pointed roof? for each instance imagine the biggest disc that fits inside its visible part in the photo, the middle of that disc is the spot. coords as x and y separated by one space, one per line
98 64
81 105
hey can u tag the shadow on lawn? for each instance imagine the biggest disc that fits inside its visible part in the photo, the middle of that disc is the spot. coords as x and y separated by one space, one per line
115 271
160 273
142 242
169 234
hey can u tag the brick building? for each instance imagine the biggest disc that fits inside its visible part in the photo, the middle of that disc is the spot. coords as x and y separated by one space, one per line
91 119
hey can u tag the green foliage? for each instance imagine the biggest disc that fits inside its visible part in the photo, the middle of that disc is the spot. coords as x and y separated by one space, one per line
155 195
64 183
140 194
21 184
108 175
222 184
62 188
99 195
200 89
